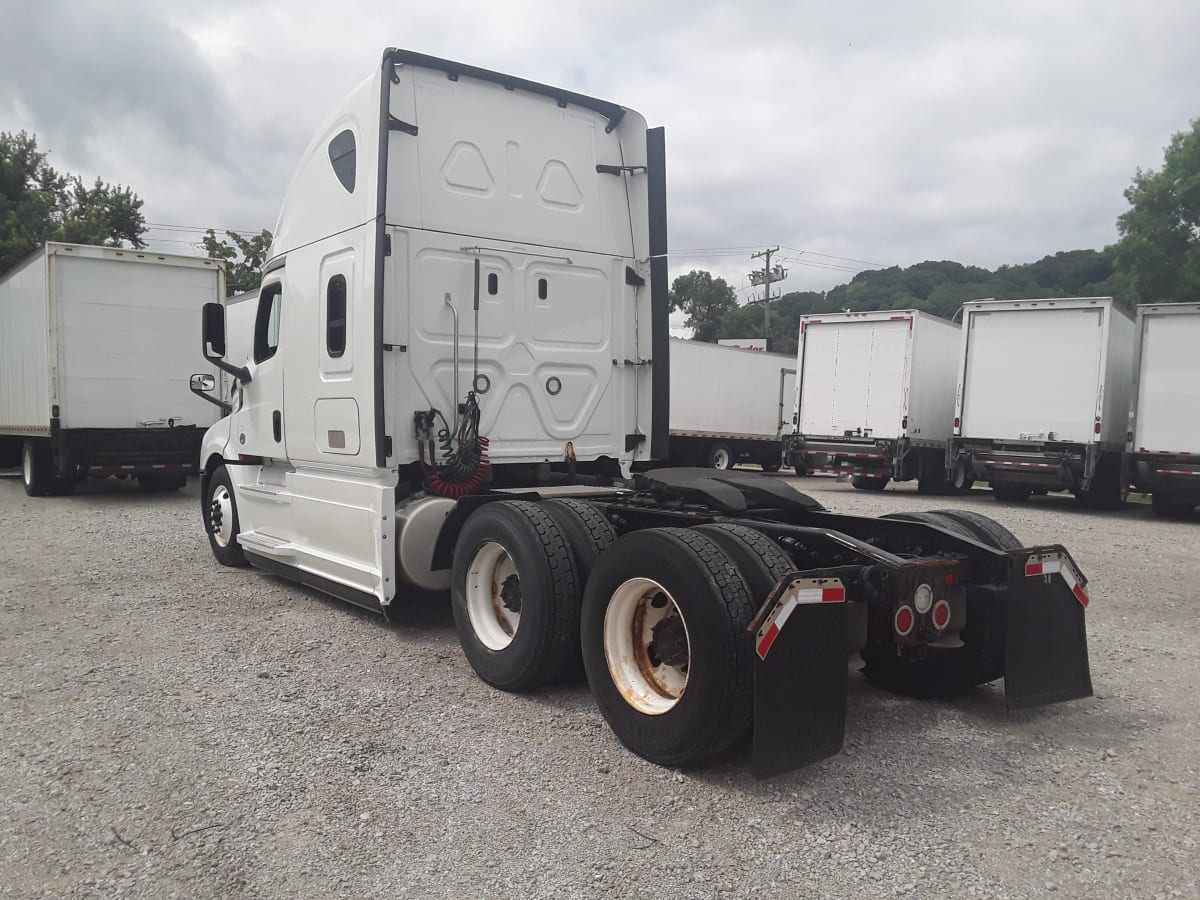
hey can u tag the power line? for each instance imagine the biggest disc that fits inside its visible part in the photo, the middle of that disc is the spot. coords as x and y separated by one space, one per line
865 262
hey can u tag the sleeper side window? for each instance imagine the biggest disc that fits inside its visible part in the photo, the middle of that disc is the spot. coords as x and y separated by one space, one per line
342 158
266 322
335 316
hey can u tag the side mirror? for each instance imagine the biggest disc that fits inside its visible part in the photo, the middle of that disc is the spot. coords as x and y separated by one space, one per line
214 331
213 343
203 383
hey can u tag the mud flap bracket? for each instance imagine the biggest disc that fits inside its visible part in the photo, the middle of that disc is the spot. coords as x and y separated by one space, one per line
800 672
1045 656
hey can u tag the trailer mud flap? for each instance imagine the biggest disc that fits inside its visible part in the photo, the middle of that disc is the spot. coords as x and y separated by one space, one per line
1046 658
800 674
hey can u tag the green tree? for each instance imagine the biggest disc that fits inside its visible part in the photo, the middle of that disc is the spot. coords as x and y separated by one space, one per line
39 204
1159 248
244 257
705 300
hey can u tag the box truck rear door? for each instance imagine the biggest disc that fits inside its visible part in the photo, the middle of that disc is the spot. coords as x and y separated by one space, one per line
853 377
1168 409
1033 374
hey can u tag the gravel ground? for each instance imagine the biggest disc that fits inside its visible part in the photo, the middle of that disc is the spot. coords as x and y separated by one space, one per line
173 728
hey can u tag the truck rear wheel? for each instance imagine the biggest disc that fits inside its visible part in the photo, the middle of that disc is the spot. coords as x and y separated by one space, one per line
720 456
760 560
37 470
665 645
515 595
221 519
1010 493
1171 507
869 482
161 481
949 671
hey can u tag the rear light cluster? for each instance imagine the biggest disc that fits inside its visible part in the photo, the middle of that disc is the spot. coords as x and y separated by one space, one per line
905 618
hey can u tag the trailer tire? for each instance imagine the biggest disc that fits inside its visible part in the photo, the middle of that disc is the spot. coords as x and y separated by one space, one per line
517 635
760 560
947 672
961 480
720 456
1011 493
800 470
663 721
152 482
772 466
868 483
37 468
1171 507
219 509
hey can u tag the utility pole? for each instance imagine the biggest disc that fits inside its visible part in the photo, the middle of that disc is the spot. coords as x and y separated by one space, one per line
766 276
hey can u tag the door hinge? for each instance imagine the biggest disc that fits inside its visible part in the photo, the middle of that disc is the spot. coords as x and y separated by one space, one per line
387 445
403 348
633 362
387 245
617 170
632 278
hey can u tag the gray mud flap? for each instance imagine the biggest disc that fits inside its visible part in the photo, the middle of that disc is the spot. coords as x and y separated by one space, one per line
799 674
1045 656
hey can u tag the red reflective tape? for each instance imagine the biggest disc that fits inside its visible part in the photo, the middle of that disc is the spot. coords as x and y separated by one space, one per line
1080 595
1033 569
764 646
833 595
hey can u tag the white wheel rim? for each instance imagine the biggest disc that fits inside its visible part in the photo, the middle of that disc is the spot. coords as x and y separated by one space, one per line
27 466
220 516
721 459
649 683
493 592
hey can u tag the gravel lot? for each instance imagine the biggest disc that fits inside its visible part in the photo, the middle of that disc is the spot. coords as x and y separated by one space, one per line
173 728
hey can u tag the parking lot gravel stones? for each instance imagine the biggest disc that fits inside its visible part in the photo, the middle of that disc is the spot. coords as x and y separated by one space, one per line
169 727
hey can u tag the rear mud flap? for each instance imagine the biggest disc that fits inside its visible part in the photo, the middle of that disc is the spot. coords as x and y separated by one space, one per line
1045 658
800 674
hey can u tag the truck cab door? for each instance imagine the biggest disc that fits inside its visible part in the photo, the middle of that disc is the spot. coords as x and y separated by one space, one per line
258 424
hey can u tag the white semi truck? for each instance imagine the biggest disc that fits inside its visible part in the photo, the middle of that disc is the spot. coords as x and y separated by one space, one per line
727 405
94 349
1164 420
1043 398
468 289
874 397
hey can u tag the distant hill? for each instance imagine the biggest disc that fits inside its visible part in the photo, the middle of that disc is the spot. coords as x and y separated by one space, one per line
940 288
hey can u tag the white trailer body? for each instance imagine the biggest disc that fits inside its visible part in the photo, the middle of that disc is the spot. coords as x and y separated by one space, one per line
1043 395
94 349
728 404
874 396
1164 421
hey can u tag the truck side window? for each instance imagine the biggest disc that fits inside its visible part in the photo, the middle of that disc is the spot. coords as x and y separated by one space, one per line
335 316
266 322
341 157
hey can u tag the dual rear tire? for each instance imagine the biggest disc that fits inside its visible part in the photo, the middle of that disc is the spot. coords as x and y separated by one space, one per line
659 616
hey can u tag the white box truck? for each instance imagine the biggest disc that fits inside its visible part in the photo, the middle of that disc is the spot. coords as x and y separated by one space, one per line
1043 398
94 343
728 405
874 397
468 286
1164 421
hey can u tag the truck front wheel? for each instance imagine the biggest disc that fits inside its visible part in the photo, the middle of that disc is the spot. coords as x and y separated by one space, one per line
221 520
720 456
665 645
37 470
515 595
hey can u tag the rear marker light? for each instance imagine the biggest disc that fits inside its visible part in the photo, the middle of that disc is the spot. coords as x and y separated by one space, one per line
941 615
1097 428
949 579
904 621
957 422
923 598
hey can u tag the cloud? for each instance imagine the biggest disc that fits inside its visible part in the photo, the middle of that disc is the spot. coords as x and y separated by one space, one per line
883 132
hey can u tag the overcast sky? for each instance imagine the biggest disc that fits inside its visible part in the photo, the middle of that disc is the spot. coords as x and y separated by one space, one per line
871 132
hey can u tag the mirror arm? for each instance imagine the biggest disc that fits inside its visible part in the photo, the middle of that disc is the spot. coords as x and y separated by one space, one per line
226 408
241 373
